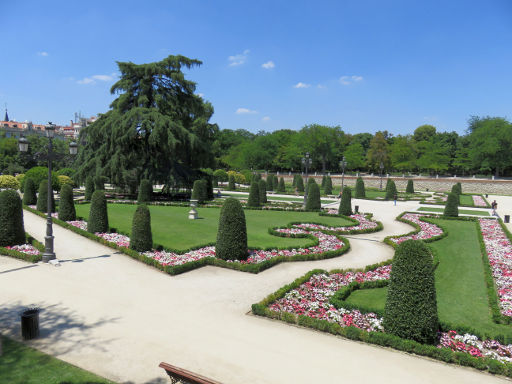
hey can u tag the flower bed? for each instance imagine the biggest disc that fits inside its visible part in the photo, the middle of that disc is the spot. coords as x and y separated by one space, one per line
499 253
478 201
27 249
475 347
30 251
426 230
364 224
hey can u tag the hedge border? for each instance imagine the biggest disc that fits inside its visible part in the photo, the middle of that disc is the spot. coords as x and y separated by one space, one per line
24 256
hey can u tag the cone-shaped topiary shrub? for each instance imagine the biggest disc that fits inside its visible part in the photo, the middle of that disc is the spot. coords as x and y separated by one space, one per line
145 191
360 190
324 178
270 182
231 183
294 182
313 201
209 188
141 239
89 188
99 183
66 205
411 305
12 231
281 186
391 190
98 217
451 209
262 188
410 186
254 195
199 191
42 198
29 196
459 188
310 181
300 183
346 202
455 191
232 233
328 186
275 181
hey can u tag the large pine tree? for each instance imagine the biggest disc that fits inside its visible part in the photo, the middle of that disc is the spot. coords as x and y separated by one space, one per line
157 127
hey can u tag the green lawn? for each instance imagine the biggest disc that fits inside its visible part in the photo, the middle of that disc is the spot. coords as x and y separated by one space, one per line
463 211
460 285
298 199
172 228
20 364
466 200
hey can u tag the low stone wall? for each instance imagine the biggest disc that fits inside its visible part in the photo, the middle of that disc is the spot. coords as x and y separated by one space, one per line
500 187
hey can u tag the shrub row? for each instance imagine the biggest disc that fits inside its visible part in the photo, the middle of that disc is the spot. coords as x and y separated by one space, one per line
23 256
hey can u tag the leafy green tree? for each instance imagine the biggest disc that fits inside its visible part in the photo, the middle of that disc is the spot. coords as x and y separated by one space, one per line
254 195
345 208
324 143
378 152
424 133
411 304
434 155
403 153
220 175
67 210
360 190
354 155
141 239
262 188
12 230
313 201
462 162
232 233
157 128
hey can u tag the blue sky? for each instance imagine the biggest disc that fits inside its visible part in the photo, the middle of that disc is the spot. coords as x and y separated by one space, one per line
268 65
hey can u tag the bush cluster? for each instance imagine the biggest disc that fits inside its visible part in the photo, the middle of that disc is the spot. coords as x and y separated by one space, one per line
313 201
262 188
9 182
29 196
411 305
232 233
410 186
12 231
67 210
39 174
220 175
360 190
141 239
98 216
89 188
451 209
254 195
346 202
42 198
63 179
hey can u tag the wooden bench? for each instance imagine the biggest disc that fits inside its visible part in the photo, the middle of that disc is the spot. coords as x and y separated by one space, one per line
180 375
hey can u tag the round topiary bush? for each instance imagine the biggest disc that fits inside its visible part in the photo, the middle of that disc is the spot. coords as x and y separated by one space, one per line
12 231
232 233
141 239
66 204
281 187
89 188
42 198
98 216
300 183
313 201
254 195
29 196
220 175
410 186
451 209
328 186
270 182
411 305
39 174
63 179
391 190
262 188
231 183
346 202
360 190
145 191
199 192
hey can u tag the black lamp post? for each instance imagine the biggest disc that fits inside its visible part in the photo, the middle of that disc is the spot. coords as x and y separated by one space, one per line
306 161
343 164
48 253
381 166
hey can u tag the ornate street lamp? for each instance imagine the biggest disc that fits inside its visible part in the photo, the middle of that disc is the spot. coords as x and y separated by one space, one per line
343 164
48 253
306 162
381 166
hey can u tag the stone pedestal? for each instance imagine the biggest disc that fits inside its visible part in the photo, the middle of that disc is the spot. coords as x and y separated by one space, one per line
192 214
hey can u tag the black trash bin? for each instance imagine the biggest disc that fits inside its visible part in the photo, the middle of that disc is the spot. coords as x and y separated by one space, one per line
30 323
356 208
507 219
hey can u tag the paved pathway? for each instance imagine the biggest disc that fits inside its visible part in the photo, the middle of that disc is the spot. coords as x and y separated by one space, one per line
119 318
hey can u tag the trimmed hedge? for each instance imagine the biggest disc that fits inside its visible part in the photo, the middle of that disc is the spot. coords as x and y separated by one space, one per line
141 239
410 186
12 231
346 202
42 198
89 188
67 210
29 196
411 305
360 190
281 186
145 191
254 195
262 188
391 190
98 216
232 233
24 256
231 183
451 208
328 186
300 183
199 192
313 201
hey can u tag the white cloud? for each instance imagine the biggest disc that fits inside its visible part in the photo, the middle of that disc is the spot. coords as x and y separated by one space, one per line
42 53
86 80
320 86
238 59
301 85
245 111
265 119
347 80
92 79
268 65
103 77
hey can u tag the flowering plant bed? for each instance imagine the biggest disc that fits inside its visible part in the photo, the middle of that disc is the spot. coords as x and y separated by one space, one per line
325 244
30 251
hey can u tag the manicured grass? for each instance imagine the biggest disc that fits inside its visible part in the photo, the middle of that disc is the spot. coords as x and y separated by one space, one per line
172 228
298 199
460 285
466 200
20 364
463 211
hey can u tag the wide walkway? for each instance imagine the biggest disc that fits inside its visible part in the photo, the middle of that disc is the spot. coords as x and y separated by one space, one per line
119 318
